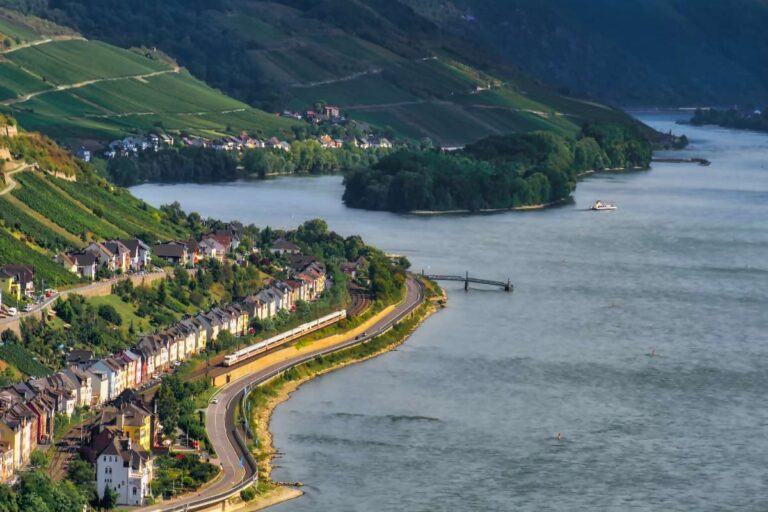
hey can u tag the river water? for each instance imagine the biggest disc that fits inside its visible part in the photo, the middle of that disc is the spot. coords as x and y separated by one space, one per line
464 415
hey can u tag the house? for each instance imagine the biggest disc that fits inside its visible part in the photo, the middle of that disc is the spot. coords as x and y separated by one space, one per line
175 252
122 255
125 470
99 385
331 111
139 253
110 370
84 263
80 358
211 248
7 473
69 264
23 277
134 420
17 422
104 257
9 285
84 383
83 154
283 246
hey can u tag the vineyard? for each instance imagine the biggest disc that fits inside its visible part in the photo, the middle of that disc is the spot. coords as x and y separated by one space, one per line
15 219
23 359
53 204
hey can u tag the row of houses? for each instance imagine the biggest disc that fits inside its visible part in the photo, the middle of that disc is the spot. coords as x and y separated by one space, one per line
217 245
112 255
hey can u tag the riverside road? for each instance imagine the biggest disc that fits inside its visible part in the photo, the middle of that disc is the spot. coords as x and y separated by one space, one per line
220 417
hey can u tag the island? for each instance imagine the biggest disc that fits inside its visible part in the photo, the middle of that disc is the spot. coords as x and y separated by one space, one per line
519 171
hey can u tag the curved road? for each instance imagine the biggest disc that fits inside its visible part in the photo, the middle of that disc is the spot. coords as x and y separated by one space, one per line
220 421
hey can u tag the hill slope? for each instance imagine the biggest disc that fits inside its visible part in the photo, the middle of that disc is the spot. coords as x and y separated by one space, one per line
378 59
71 88
630 52
51 205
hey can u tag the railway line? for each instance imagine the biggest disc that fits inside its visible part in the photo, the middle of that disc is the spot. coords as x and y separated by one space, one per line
220 416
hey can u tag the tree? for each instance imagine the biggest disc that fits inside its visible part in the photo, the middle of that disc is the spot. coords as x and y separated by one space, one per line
38 460
110 314
109 500
8 336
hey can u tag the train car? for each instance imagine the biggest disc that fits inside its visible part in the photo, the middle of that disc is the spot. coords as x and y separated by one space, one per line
284 337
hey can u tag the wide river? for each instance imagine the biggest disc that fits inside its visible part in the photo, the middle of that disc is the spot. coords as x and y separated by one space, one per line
464 415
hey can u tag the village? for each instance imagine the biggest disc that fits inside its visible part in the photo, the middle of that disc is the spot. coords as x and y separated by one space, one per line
126 433
330 115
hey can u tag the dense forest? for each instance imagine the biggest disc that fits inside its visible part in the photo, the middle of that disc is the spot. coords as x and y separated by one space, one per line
753 120
497 172
207 164
628 52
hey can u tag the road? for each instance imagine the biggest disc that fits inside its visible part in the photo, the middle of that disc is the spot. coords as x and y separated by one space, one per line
220 421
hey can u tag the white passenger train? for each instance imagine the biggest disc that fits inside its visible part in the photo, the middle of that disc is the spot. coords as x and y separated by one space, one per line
263 346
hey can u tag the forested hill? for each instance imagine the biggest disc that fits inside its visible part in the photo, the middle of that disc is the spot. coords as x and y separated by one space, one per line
628 52
378 60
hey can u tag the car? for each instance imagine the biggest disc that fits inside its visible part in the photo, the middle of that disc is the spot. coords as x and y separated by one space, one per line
214 401
28 308
13 311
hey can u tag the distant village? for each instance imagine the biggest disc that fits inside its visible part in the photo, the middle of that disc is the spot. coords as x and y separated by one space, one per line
153 142
126 433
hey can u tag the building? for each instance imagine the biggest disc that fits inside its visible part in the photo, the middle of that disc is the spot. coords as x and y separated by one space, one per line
175 252
83 262
140 253
23 277
283 246
125 470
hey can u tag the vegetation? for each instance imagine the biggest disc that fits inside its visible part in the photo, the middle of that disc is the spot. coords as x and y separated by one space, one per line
180 473
627 53
498 172
381 61
36 491
733 118
23 359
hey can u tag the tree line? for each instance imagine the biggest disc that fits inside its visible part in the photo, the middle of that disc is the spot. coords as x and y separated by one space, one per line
497 172
198 164
754 120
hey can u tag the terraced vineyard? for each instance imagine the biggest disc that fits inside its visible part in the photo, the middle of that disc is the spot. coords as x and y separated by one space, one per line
52 203
74 89
23 359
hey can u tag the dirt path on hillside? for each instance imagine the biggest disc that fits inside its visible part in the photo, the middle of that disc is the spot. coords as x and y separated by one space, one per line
10 182
77 85
47 40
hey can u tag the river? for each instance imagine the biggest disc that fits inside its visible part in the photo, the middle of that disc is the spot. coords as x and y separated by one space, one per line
464 415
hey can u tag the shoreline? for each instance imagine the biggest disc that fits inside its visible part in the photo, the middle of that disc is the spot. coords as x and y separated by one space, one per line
262 416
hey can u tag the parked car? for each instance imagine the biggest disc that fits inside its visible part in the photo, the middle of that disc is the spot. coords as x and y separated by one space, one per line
28 308
13 311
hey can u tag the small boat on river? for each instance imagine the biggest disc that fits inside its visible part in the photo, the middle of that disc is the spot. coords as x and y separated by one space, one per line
600 206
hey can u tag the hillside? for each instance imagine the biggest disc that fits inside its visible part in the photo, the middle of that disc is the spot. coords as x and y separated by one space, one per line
629 52
71 88
378 60
50 204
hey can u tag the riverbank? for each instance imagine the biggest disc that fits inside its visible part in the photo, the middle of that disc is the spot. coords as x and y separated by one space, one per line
266 398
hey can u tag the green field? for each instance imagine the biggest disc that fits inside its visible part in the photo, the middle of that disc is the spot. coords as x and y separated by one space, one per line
122 100
14 30
68 62
14 218
126 311
14 81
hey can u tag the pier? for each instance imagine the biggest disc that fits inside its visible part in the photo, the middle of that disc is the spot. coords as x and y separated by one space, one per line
466 279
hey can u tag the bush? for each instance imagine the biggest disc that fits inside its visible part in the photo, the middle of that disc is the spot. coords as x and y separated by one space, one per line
110 314
248 494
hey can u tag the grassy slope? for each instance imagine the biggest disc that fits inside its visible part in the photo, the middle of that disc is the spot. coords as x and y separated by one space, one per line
131 93
378 59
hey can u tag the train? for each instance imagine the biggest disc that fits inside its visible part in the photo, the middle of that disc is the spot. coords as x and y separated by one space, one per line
285 337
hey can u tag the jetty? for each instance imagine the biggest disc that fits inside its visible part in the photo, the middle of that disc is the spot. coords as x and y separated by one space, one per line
701 161
507 285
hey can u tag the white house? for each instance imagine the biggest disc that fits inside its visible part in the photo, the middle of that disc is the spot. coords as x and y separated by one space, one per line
126 471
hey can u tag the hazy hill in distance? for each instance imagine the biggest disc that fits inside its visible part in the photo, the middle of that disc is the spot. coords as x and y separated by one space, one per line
377 59
628 52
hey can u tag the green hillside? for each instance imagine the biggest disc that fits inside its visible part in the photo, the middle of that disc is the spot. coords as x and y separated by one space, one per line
44 215
630 52
378 60
74 89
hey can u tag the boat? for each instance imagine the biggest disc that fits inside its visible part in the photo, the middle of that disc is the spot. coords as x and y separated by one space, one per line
600 206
